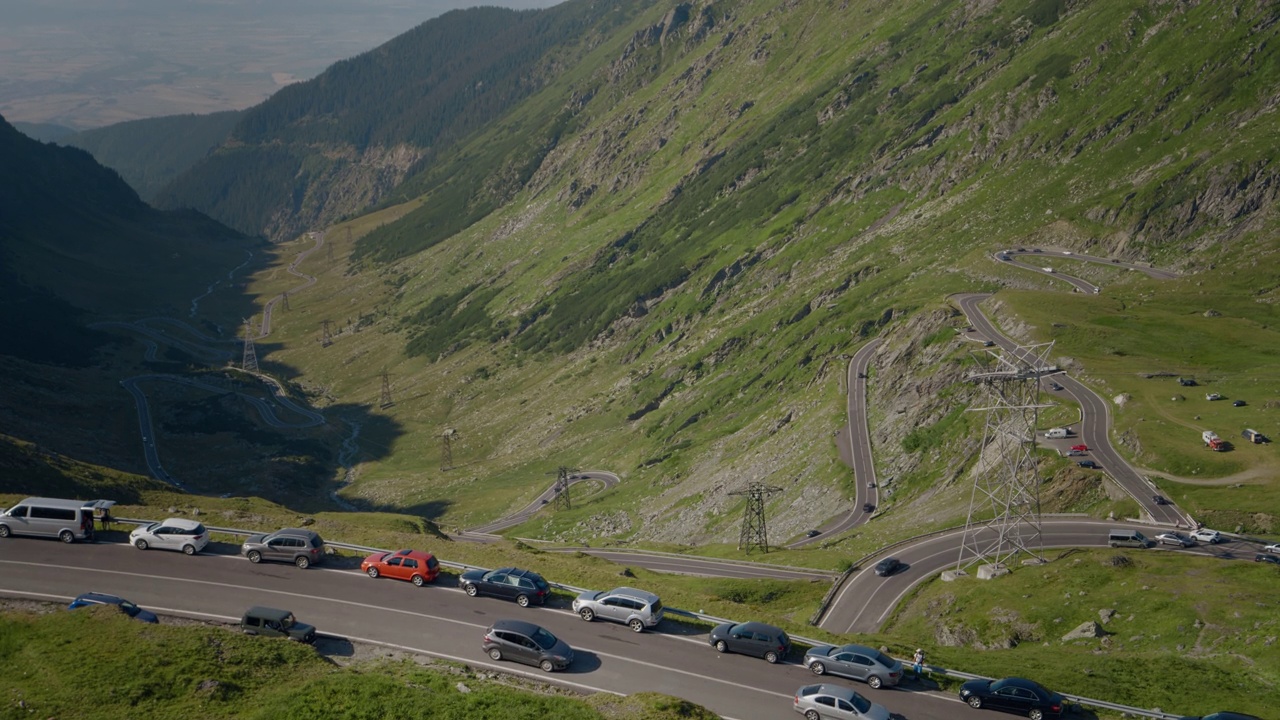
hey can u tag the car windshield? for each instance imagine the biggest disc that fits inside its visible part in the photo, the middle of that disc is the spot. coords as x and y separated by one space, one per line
861 704
129 608
544 639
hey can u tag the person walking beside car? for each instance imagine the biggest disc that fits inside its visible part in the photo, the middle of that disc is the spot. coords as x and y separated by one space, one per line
918 663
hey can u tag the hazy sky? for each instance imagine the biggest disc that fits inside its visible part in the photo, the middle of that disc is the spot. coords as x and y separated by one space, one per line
87 63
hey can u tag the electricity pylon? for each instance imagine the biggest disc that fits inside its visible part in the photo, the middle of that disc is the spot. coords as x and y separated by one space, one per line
1004 508
754 533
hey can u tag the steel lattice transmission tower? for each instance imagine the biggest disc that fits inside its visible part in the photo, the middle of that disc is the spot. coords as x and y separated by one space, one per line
446 449
1004 509
754 533
250 362
384 398
326 333
561 488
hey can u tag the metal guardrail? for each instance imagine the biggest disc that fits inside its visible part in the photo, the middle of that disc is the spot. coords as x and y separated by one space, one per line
956 674
659 553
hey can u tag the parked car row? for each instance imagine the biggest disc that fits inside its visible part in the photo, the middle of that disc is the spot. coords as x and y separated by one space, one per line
526 642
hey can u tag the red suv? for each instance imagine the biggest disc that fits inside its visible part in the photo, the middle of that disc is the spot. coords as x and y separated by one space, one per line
415 566
1080 448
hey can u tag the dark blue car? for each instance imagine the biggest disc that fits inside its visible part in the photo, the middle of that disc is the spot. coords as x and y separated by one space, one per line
126 607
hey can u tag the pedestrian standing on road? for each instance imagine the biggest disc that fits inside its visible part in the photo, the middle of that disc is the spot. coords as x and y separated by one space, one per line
918 660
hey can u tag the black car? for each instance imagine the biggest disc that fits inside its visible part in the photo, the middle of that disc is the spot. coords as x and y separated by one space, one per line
888 566
868 507
1015 695
1089 464
527 643
751 638
126 607
1159 500
1267 558
1238 403
523 586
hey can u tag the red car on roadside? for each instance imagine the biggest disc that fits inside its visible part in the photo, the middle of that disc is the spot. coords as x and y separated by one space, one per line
1080 448
416 566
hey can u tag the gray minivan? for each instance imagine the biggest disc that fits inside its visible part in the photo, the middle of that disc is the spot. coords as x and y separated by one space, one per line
1128 538
67 520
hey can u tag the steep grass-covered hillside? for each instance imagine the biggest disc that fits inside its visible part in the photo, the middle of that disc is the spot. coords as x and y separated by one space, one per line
660 263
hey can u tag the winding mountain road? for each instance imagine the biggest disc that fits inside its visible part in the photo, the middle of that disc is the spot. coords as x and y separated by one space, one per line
866 489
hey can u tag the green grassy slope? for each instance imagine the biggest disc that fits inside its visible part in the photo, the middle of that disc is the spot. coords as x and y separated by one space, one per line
656 264
71 667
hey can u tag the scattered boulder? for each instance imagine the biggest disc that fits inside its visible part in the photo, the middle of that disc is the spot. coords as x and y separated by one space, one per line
1212 313
462 688
1121 399
1106 614
1084 631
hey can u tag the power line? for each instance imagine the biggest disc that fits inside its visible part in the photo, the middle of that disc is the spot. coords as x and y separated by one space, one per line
1004 508
385 401
754 533
250 361
446 449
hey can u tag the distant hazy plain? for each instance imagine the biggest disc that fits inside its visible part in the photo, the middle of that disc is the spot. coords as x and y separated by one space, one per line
88 63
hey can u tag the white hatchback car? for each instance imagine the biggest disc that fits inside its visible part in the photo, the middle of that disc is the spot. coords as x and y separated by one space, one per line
188 536
1206 535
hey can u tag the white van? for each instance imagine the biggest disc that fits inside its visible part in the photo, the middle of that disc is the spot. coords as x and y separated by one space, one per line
67 520
1057 433
1124 537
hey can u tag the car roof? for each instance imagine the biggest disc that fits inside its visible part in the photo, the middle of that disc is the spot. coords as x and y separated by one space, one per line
1022 683
859 649
420 554
181 523
752 625
520 626
301 532
644 595
98 597
839 691
267 613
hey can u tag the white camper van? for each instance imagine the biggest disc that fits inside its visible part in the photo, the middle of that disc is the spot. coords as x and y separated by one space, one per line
1057 433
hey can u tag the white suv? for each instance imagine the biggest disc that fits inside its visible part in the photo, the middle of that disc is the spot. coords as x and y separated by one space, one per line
636 608
1212 537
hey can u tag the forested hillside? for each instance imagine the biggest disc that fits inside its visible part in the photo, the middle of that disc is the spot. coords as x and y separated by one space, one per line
77 243
150 153
332 146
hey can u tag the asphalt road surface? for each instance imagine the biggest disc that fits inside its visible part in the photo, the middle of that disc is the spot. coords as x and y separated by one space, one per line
439 621
865 600
866 488
1094 425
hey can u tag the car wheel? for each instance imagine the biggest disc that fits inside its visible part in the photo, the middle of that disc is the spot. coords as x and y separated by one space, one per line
66 536
722 646
975 702
818 668
1037 714
522 600
875 682
471 590
140 544
637 625
4 531
547 666
771 657
418 580
587 614
255 556
302 562
495 654
189 549
372 572
812 715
